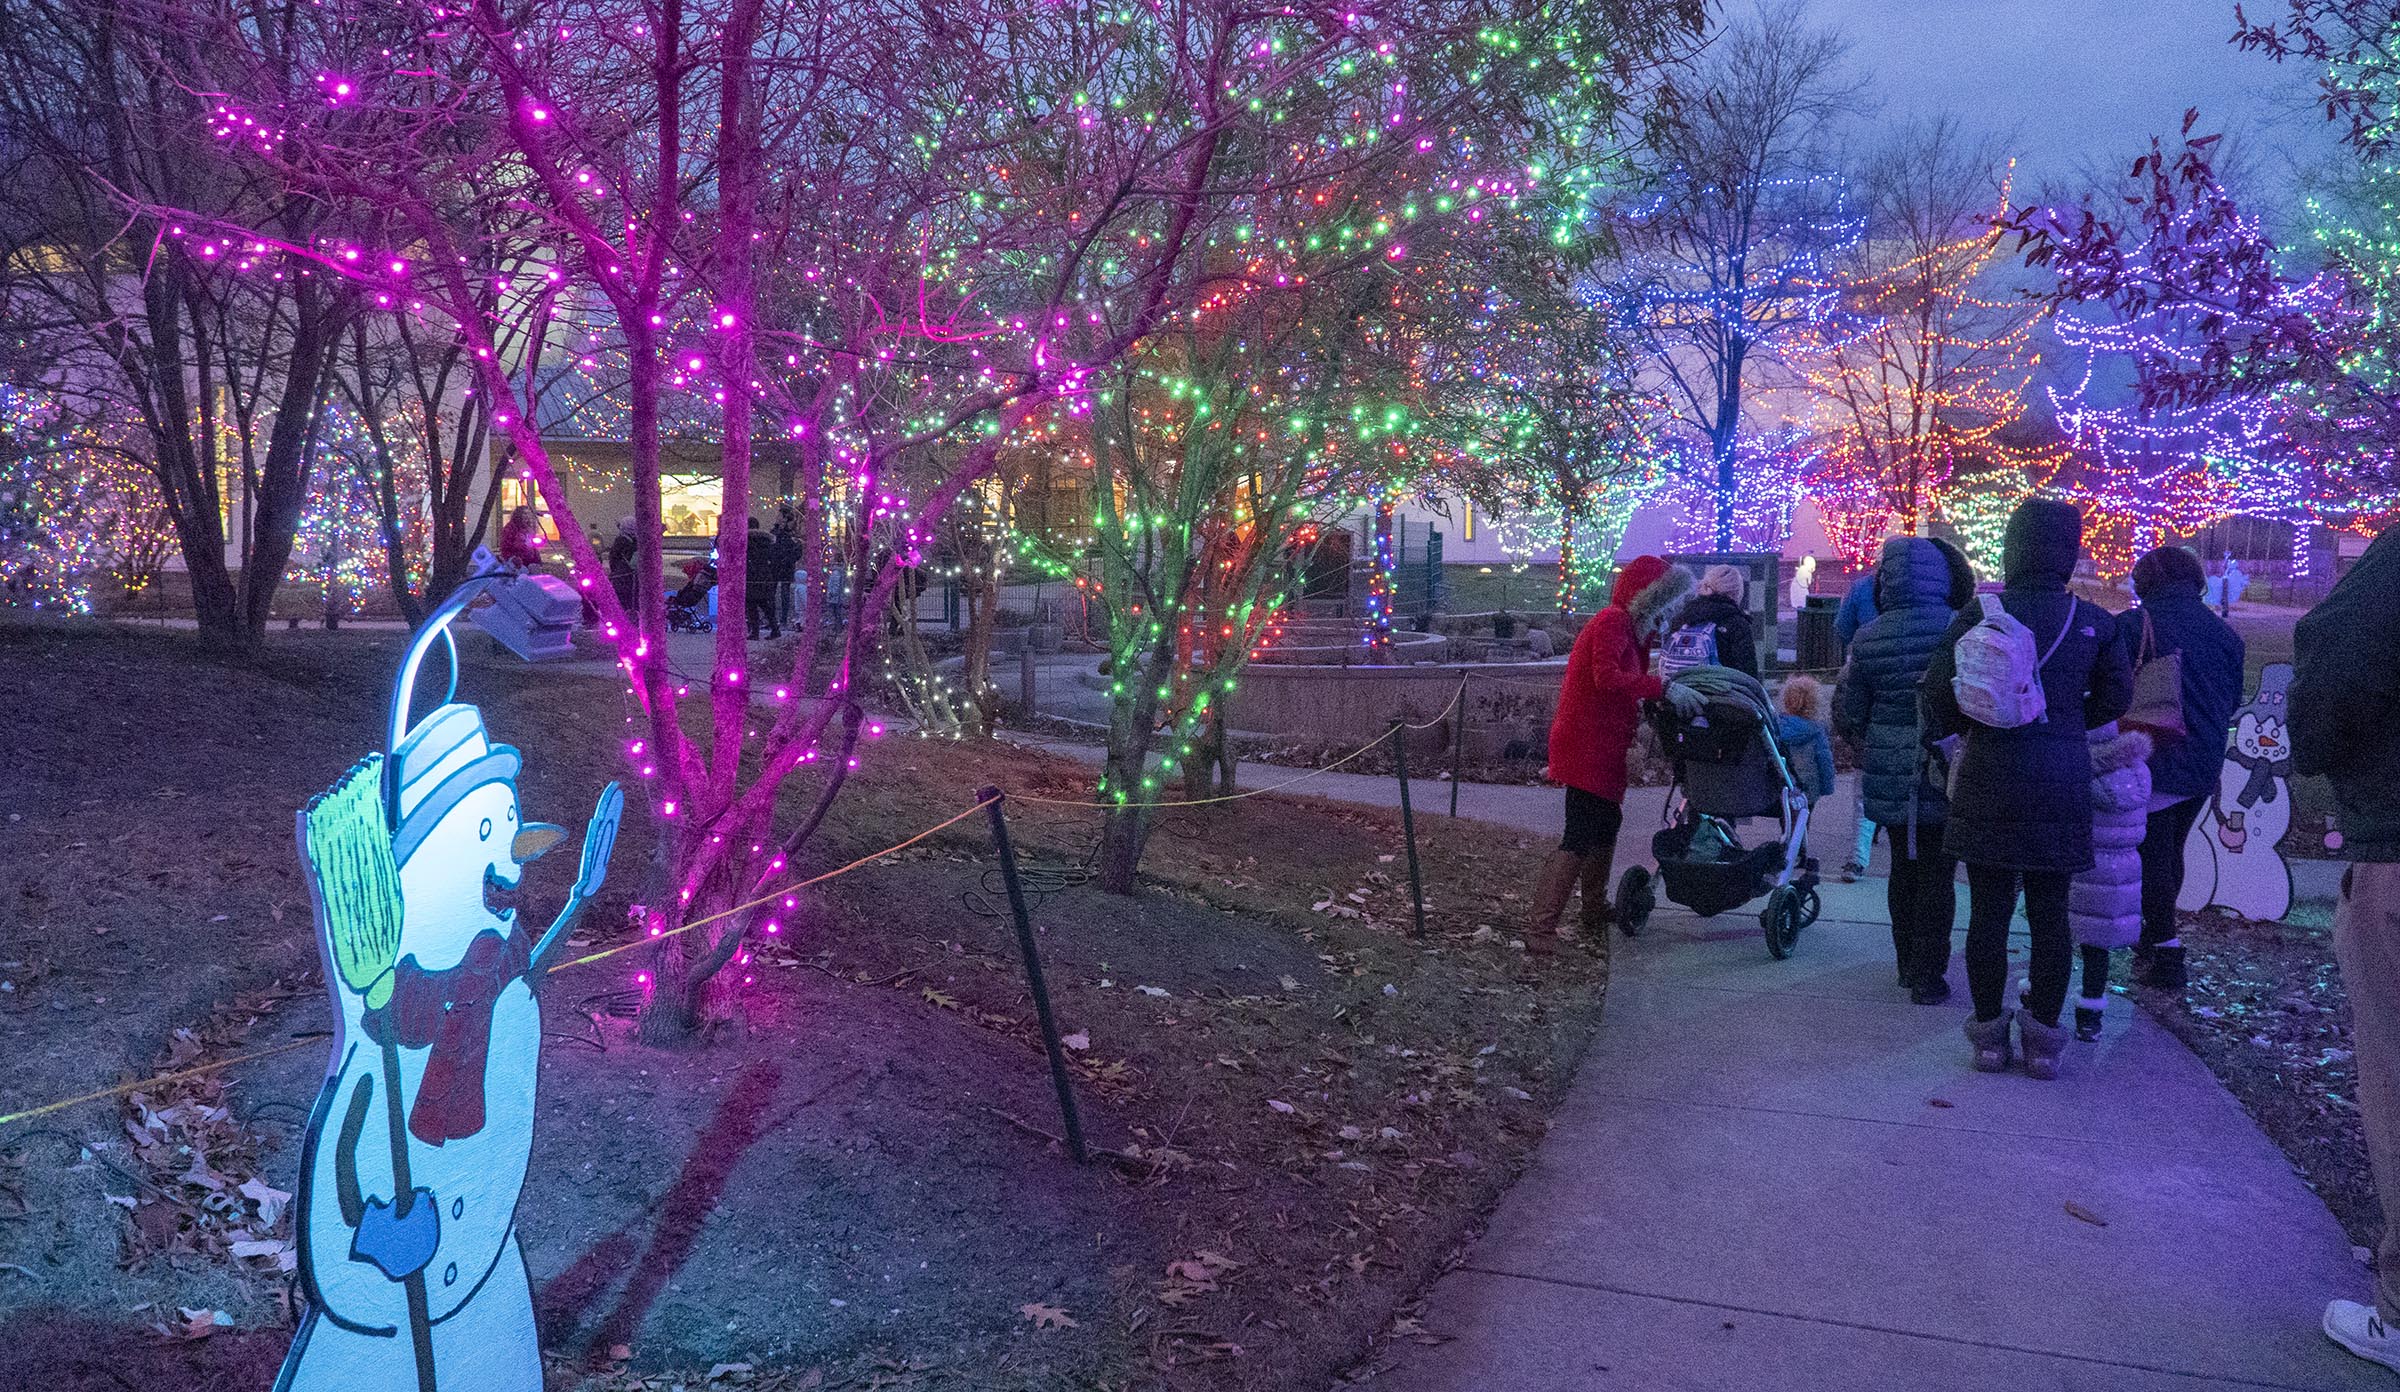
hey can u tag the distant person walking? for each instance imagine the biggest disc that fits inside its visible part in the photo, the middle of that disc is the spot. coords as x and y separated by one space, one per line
1921 585
2174 620
2021 796
2345 725
758 582
1591 736
623 554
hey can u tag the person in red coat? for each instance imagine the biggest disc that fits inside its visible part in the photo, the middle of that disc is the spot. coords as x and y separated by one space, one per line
1591 736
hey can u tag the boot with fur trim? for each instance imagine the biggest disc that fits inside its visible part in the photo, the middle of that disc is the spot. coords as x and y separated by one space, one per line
2043 1045
1990 1041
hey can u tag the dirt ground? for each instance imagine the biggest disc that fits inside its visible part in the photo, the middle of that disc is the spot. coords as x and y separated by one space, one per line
854 1181
2267 1012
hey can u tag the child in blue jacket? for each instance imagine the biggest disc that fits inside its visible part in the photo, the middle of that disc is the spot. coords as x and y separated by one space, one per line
1805 742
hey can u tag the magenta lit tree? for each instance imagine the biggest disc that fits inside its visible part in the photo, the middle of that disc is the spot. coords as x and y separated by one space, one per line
876 235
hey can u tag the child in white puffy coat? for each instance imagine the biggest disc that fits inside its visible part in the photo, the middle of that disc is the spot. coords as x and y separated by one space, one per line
2105 903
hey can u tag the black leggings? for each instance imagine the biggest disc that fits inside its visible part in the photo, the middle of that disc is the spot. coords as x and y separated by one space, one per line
1592 823
1991 899
1922 897
2162 867
2095 972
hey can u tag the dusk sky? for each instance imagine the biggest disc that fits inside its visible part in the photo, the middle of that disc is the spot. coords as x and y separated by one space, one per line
2082 83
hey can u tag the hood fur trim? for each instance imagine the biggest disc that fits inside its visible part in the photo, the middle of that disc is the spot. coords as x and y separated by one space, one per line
1659 600
2121 750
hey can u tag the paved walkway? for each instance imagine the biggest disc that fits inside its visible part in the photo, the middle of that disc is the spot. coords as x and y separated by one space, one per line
1782 1175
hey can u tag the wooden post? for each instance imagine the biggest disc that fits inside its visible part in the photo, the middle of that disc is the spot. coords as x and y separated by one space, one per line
1033 977
1408 822
1458 743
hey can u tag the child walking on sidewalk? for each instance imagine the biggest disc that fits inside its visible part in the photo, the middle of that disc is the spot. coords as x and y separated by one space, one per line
2105 903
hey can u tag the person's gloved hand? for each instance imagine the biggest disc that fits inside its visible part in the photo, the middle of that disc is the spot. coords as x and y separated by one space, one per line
1686 701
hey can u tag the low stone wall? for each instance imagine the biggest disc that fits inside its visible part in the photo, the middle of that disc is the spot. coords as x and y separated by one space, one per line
1507 703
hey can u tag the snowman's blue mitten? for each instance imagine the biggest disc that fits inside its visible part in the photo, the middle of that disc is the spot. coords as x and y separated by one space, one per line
399 1244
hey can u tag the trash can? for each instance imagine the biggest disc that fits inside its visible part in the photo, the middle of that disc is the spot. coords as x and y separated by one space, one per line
1819 650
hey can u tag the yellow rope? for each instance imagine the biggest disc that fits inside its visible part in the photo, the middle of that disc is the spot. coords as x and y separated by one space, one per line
588 958
140 1083
161 1079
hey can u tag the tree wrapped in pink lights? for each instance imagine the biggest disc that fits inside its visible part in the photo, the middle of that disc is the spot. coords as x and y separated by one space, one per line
876 234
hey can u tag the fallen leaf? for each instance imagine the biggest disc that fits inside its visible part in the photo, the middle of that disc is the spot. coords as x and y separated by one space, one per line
1276 1105
2078 1211
1047 1316
933 997
738 1371
1078 1041
1940 1102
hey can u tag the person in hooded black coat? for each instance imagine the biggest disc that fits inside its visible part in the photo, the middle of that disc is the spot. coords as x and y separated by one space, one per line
2021 799
1919 587
2173 618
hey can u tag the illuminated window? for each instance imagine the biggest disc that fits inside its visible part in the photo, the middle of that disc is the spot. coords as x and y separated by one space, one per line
516 493
690 503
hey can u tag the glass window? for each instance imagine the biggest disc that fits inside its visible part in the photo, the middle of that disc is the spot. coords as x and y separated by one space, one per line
690 503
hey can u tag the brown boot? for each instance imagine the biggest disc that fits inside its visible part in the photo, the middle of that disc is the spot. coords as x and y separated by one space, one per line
1550 894
1599 913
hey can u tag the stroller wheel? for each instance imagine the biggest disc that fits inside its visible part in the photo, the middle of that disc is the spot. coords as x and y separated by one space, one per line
1635 899
1782 921
1811 904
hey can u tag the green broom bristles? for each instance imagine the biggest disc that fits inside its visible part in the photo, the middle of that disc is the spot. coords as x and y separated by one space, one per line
350 850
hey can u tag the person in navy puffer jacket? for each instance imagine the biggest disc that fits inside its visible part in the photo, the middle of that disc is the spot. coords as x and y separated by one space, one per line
1919 587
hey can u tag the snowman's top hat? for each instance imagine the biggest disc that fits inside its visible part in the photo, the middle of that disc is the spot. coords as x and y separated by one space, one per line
446 757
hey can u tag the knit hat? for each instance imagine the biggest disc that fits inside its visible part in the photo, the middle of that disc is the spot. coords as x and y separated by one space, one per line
1724 580
445 758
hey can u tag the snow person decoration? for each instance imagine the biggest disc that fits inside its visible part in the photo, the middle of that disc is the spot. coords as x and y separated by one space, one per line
2233 858
419 1143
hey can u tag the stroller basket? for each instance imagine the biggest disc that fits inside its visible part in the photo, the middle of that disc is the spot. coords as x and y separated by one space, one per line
1710 887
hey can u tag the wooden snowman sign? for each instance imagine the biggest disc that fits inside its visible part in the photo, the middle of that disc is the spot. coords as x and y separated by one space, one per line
419 1142
2233 858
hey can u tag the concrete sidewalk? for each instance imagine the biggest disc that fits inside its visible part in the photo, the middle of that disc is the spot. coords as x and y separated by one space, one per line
1783 1177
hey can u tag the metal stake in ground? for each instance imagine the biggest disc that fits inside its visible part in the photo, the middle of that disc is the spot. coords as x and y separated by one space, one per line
1458 744
1408 822
990 797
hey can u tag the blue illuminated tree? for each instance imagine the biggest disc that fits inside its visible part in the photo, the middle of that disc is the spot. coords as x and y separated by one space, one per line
1727 262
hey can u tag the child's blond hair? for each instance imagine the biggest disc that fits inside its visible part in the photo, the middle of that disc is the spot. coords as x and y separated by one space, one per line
1801 695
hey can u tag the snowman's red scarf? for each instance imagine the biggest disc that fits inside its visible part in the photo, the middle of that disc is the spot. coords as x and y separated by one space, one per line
451 1011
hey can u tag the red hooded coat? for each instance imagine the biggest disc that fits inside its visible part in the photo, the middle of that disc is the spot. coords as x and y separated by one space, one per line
1600 703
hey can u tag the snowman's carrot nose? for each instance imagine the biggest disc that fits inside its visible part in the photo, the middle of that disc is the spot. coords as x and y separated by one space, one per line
536 838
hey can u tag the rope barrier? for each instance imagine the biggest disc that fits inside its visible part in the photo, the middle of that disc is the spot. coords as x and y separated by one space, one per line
161 1079
1438 718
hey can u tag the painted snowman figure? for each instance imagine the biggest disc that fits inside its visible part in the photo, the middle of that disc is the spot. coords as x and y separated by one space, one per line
420 1140
2233 857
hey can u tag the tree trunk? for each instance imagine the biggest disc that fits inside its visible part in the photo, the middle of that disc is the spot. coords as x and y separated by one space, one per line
1122 837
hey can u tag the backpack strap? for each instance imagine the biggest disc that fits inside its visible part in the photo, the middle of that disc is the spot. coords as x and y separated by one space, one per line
1991 605
2061 640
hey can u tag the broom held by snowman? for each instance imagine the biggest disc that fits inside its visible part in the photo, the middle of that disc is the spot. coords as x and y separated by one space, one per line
419 1142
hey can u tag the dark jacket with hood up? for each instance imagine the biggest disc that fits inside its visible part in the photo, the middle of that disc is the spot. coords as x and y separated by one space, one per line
2022 799
2181 622
1737 637
2345 700
1919 587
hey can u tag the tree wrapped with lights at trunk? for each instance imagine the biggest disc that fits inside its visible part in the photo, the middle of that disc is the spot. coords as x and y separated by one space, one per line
1923 370
1726 266
1214 450
881 233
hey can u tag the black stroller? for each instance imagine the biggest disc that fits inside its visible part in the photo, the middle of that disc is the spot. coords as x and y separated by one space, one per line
687 608
1728 765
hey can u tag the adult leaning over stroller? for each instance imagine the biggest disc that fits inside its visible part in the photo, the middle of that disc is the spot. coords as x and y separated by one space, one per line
1591 735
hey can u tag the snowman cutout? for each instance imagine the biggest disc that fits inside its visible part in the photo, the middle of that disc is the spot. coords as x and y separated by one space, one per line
2233 858
420 1140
